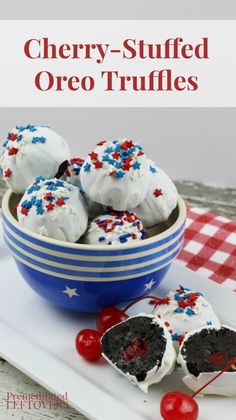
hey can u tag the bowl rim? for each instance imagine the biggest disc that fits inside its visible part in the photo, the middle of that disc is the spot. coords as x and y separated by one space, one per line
173 228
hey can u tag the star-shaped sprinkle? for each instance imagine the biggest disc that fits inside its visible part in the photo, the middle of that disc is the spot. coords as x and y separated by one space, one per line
149 285
126 165
36 140
12 151
12 136
7 173
98 164
93 155
136 165
158 192
60 202
120 174
153 169
48 197
127 145
70 292
190 312
24 211
115 155
50 206
87 167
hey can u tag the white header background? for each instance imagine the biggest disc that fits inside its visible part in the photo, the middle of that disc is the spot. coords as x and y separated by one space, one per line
216 76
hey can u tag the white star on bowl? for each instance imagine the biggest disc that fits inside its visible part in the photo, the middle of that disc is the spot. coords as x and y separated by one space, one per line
70 292
149 285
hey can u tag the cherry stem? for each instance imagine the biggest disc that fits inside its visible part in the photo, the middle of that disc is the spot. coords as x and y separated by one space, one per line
138 300
230 364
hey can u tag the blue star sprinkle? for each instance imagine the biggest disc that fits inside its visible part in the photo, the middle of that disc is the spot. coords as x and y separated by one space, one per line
120 174
87 167
179 310
33 188
190 312
39 140
136 165
152 169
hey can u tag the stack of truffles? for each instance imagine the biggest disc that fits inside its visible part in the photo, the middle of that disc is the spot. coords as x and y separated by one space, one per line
108 198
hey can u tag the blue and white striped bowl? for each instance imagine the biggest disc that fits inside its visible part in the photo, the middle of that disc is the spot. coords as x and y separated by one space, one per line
86 278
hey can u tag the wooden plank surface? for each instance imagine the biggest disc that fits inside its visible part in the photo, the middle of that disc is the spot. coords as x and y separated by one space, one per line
222 201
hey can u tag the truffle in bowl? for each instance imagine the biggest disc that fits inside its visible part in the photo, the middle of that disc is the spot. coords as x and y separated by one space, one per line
86 278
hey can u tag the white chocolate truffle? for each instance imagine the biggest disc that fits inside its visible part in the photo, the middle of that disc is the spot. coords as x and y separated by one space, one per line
141 349
204 353
160 200
31 151
114 228
183 310
116 174
54 208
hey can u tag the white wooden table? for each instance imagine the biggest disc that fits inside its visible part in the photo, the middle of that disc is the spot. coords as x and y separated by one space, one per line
222 201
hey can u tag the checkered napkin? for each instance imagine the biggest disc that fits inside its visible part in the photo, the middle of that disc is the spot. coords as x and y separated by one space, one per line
210 246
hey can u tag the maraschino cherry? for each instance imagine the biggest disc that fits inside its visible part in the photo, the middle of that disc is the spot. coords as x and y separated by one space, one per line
88 344
176 405
108 317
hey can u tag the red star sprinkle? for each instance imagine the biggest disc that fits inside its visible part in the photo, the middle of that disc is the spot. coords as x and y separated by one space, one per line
182 304
127 144
167 324
193 296
67 172
24 211
50 207
126 165
7 173
48 196
93 155
158 192
112 172
100 143
60 202
140 153
98 164
12 151
115 155
13 136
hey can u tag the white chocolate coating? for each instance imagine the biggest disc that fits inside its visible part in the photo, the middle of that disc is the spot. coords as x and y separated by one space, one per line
116 174
184 310
224 385
160 200
54 208
31 151
114 228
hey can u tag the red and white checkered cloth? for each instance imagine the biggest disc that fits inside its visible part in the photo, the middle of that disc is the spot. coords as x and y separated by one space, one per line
210 246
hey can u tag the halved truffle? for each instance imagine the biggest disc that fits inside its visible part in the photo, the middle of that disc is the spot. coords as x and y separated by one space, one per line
203 353
141 349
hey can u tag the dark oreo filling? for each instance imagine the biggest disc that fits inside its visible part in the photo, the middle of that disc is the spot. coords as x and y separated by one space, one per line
209 350
62 168
136 336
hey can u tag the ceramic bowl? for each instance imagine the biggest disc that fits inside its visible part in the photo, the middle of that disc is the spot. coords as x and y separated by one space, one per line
85 278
